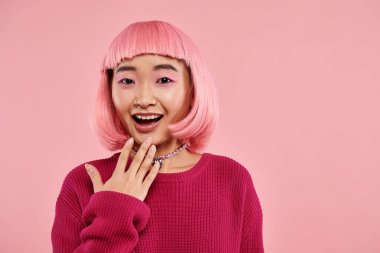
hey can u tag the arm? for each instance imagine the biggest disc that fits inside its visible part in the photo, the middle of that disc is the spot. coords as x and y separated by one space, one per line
110 222
252 238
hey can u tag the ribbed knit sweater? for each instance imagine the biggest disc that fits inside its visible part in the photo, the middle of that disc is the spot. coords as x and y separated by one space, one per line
212 207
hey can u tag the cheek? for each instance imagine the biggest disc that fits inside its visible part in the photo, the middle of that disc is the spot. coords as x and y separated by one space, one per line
175 104
170 100
121 101
174 95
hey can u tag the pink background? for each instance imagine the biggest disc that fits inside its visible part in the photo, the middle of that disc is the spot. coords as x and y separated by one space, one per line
299 86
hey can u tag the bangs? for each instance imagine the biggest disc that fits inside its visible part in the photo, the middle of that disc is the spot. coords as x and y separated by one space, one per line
146 38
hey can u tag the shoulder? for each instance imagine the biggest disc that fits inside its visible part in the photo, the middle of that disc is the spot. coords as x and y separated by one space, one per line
229 163
238 174
230 166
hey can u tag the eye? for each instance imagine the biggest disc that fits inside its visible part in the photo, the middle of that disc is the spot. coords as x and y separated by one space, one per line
165 80
126 81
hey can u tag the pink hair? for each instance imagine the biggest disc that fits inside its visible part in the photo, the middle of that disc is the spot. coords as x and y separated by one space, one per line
158 37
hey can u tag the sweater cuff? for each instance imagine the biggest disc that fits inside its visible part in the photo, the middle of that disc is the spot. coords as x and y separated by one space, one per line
117 207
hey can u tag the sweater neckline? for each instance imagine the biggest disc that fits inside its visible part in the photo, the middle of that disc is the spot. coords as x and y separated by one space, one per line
179 176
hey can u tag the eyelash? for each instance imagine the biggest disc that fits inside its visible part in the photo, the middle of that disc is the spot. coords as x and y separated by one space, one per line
121 80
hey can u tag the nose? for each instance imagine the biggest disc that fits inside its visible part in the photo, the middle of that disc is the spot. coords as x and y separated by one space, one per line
145 96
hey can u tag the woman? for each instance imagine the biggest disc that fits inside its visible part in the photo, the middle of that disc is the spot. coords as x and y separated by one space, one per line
158 104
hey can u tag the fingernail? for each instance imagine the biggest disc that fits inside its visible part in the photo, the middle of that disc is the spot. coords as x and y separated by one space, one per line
148 140
130 141
88 168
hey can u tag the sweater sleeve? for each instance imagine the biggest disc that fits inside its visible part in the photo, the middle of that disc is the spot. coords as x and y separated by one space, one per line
252 238
110 223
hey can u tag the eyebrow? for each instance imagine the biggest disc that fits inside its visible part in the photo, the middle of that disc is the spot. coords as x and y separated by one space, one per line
157 67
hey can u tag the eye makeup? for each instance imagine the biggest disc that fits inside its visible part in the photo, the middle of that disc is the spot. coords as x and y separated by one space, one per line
167 74
127 78
161 81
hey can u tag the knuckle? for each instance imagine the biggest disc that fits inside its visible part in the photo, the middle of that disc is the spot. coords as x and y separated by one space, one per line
138 159
123 156
128 181
127 149
155 171
145 167
149 177
146 146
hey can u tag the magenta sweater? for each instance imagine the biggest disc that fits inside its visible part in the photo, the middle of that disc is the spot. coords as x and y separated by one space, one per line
212 207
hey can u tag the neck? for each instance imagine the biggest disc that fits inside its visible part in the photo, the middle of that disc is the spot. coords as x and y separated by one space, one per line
168 147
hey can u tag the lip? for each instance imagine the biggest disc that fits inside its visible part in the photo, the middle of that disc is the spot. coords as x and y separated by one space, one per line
146 128
147 114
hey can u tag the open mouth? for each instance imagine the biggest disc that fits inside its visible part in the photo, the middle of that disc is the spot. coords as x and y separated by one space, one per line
146 121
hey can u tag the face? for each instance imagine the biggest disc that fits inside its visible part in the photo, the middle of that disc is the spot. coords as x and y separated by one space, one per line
151 84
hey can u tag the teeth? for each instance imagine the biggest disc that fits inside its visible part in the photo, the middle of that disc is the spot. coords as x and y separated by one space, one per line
148 117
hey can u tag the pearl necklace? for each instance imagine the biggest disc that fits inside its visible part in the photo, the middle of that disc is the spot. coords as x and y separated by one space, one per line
163 157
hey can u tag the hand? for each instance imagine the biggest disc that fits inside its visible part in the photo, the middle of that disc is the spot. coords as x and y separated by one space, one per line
132 181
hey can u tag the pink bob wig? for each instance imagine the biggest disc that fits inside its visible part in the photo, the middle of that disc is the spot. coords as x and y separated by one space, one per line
158 37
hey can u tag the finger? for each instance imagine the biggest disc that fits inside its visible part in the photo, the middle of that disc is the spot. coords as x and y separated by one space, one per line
139 156
123 157
95 177
151 176
146 164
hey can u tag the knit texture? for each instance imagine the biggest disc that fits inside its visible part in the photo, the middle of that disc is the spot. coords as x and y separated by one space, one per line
212 207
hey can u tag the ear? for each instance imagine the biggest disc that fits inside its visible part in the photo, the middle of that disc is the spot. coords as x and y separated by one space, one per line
191 98
192 92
